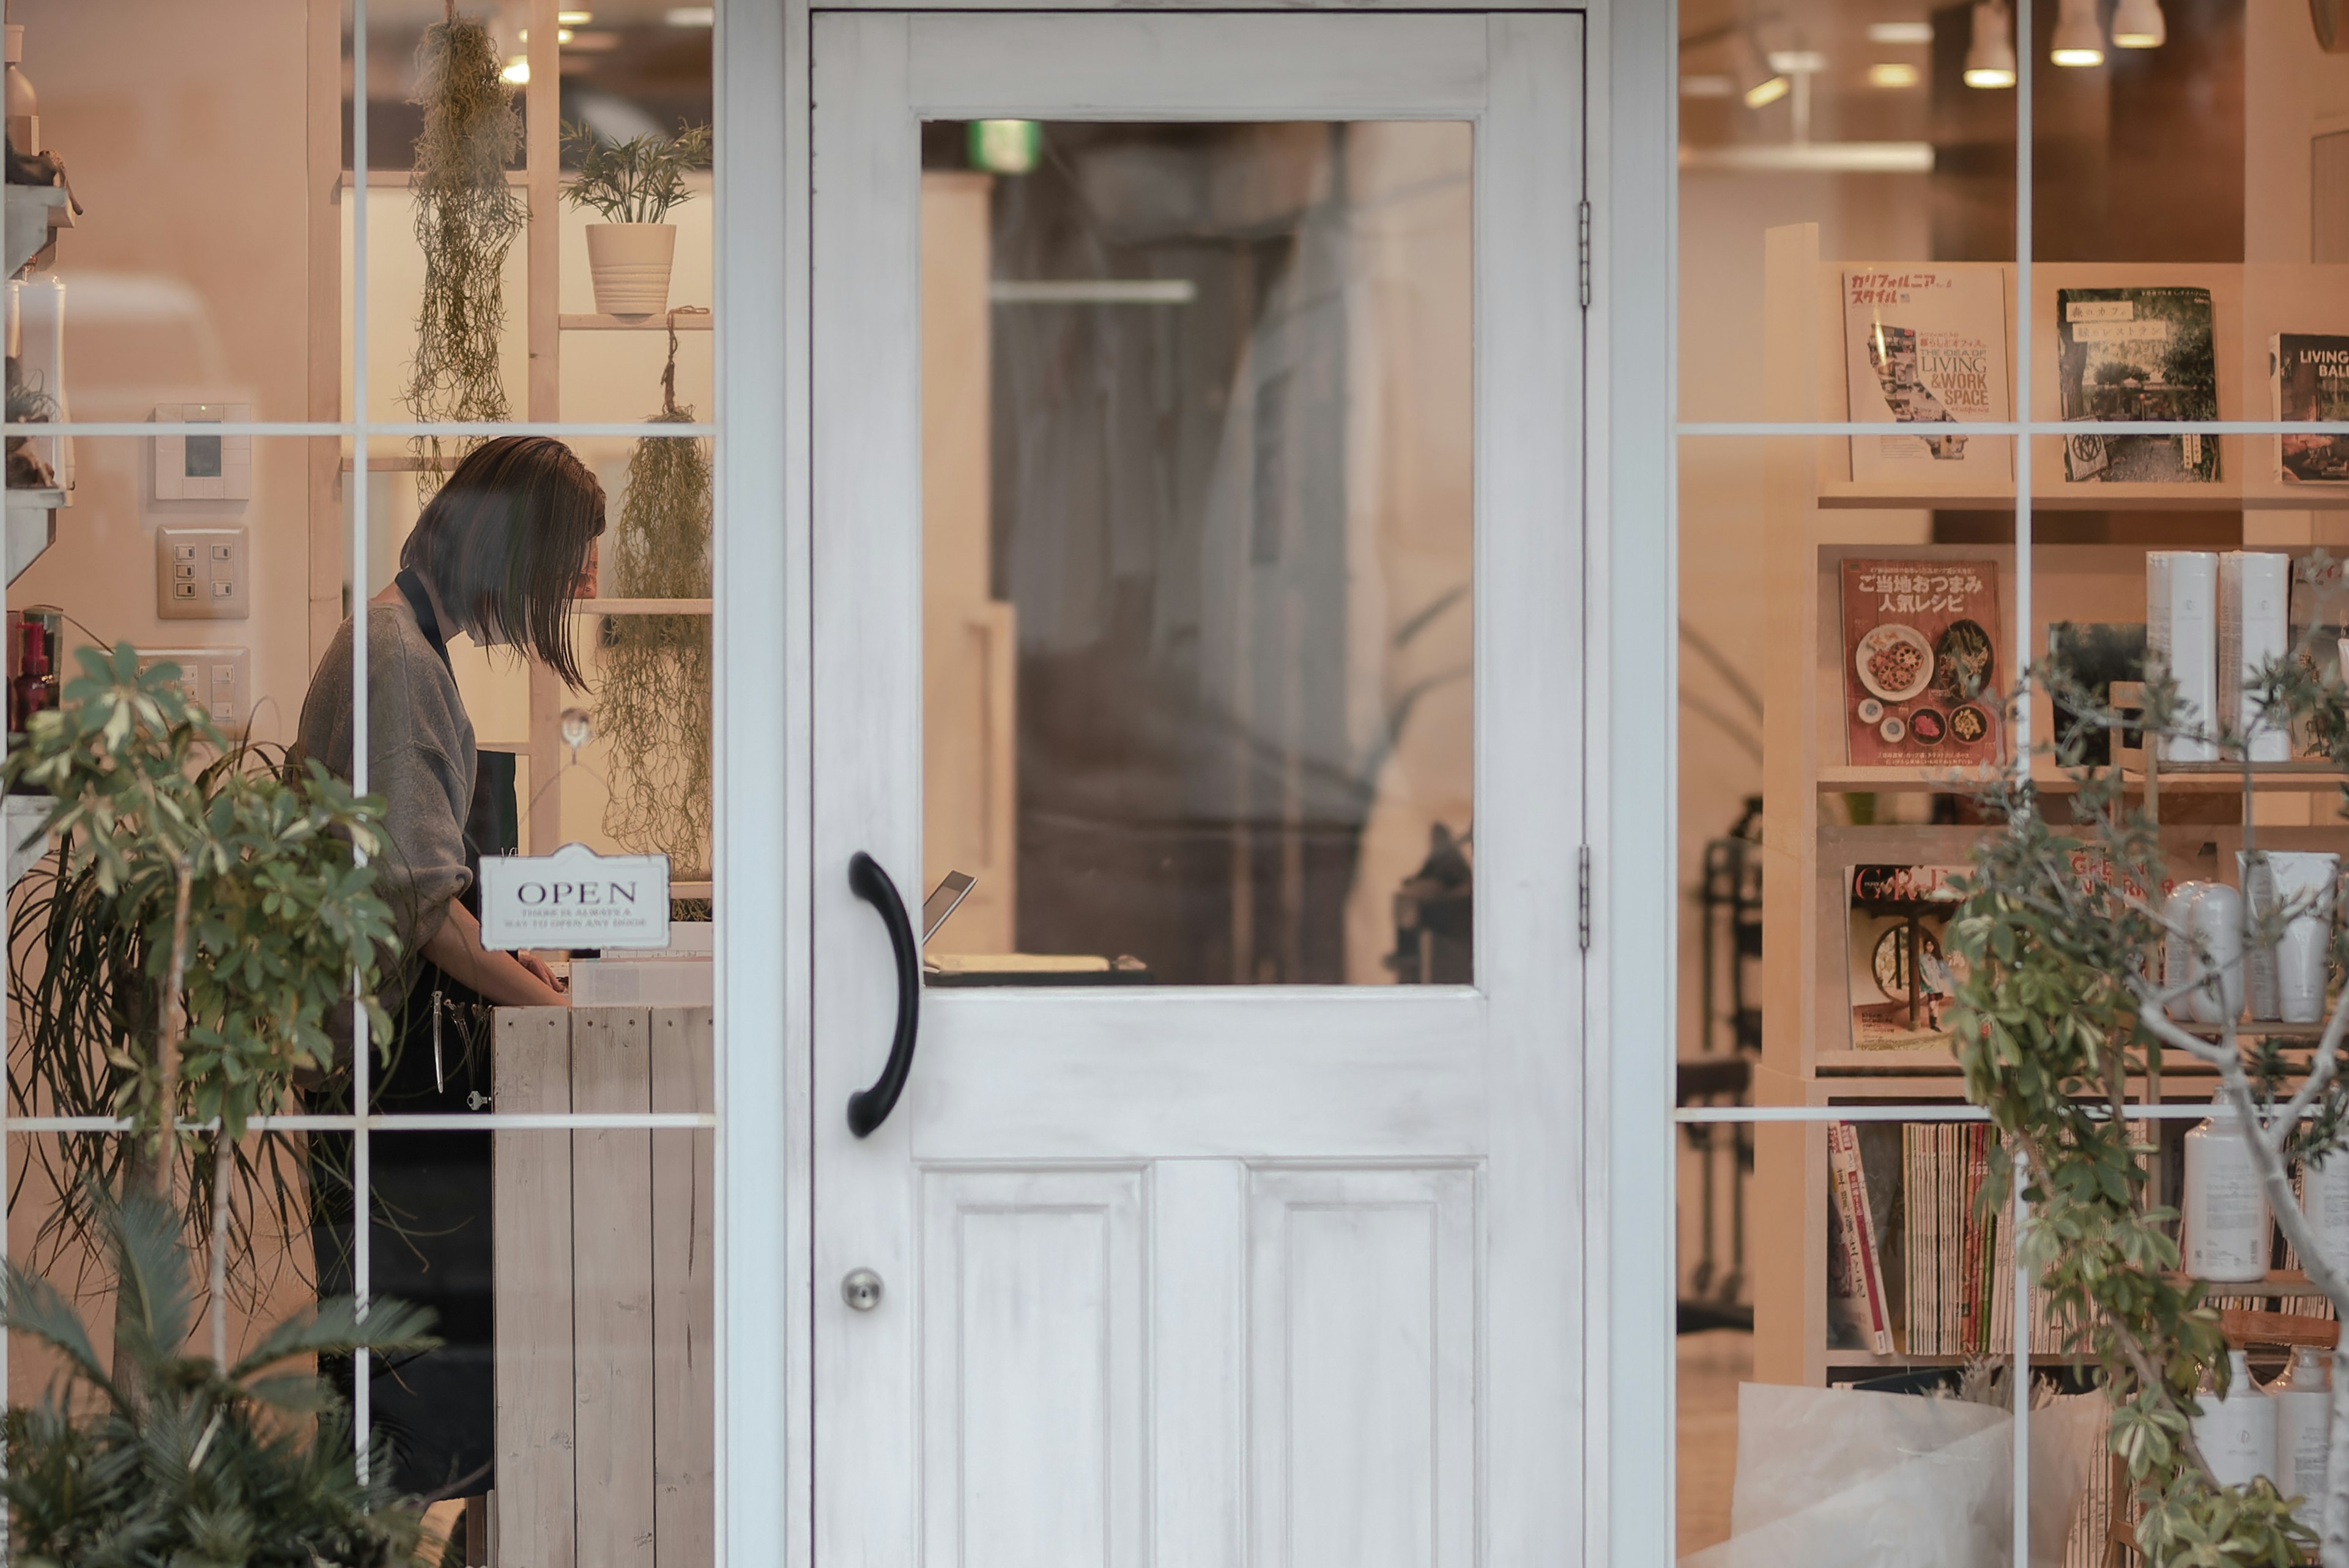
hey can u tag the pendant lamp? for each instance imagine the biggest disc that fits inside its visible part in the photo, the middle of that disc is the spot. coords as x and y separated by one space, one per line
1990 58
2078 40
2138 25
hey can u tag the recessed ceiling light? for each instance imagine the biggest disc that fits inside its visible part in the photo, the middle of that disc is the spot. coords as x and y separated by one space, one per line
1912 32
1889 74
693 15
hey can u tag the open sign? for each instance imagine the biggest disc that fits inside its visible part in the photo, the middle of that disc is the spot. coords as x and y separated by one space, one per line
574 897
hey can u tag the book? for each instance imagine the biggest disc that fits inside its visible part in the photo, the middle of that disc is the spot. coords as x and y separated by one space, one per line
2104 664
2136 354
1921 666
1926 346
1898 980
1863 1265
2308 377
2320 633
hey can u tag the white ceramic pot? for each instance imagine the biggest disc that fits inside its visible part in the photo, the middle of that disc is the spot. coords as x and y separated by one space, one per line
630 264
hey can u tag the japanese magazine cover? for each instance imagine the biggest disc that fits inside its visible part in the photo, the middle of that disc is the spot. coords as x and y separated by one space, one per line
1922 670
2136 354
1926 348
2309 377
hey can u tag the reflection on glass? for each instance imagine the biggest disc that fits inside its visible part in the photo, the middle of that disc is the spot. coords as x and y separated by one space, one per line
1197 432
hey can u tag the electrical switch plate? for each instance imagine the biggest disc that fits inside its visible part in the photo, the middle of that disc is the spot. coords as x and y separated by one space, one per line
195 467
219 679
202 573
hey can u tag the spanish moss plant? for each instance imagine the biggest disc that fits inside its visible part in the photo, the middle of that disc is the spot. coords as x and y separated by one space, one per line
654 705
467 216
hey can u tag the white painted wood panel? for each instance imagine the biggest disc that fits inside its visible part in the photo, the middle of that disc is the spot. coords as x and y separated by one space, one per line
612 1314
1362 1326
1223 1275
1035 1330
531 1221
685 1388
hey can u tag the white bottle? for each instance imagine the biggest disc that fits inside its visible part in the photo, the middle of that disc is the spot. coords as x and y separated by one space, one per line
2226 1207
2304 1417
2181 637
2205 922
2237 1434
2325 1198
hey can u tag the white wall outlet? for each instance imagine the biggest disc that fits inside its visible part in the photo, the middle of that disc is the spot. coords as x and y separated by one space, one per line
201 574
197 467
219 679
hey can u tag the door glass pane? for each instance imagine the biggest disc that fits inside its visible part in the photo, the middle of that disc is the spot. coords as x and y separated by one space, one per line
1198 486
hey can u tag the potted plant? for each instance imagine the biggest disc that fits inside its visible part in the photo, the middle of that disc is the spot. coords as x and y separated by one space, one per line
169 1458
633 183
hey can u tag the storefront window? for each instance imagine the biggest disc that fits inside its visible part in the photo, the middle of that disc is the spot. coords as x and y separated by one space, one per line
392 330
2038 220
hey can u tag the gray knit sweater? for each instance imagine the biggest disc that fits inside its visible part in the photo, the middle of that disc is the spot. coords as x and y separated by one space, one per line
419 758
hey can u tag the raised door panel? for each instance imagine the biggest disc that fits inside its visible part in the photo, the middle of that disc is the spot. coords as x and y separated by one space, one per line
1033 1391
1362 1316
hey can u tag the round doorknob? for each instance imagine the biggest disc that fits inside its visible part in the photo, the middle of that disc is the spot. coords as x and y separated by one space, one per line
861 1289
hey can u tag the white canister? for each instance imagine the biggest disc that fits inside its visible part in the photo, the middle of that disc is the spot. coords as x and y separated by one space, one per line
2237 1434
2303 1434
2256 877
2226 1207
2304 880
2324 1200
2206 944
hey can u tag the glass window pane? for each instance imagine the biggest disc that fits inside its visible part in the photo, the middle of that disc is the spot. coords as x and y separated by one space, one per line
1197 419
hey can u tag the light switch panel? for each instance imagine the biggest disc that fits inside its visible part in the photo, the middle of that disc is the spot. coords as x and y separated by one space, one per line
219 679
202 573
198 467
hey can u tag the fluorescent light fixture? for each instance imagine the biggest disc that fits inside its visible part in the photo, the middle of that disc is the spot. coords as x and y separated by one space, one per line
1759 83
574 18
693 15
2138 25
1707 87
1913 33
517 71
1989 56
1892 74
2079 41
1813 158
1797 62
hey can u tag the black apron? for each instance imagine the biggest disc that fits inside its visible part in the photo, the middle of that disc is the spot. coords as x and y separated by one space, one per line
429 1241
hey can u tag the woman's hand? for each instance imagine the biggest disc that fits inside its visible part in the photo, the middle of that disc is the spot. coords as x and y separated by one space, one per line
537 966
506 979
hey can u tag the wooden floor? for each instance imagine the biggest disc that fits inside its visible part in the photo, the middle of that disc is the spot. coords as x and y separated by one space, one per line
1711 1365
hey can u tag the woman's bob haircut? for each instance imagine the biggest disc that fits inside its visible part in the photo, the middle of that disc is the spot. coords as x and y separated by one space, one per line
505 542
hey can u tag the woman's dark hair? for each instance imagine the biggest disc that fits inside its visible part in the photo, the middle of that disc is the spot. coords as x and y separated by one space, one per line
505 542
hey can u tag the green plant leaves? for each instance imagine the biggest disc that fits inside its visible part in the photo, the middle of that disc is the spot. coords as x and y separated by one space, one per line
638 180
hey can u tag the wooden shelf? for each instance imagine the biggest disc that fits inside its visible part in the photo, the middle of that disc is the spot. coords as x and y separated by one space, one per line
2267 778
641 606
2221 497
693 321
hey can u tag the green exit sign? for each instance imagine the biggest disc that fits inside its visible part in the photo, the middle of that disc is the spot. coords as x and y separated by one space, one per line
1005 146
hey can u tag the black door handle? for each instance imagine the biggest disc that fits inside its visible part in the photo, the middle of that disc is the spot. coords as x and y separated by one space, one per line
868 1108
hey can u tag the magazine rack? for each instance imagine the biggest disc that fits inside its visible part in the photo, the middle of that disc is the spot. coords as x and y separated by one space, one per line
1817 518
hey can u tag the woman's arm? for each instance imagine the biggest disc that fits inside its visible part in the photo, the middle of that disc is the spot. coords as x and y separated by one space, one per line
501 977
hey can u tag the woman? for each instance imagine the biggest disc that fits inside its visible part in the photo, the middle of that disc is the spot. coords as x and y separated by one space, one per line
498 552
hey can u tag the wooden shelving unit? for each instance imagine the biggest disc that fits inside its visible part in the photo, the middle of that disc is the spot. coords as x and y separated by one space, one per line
1817 519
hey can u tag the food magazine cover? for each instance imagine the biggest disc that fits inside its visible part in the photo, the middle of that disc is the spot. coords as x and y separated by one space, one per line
1926 346
1920 666
2136 354
2309 377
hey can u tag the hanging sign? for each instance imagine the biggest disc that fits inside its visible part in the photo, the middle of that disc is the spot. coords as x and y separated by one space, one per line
574 897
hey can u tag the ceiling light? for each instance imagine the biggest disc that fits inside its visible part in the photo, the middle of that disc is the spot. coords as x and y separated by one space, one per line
1918 33
2079 41
1890 74
693 15
517 71
562 35
1989 56
574 18
1797 62
1707 87
1758 82
2138 25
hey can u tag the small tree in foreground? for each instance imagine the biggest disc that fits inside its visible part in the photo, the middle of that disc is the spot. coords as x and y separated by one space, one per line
2058 953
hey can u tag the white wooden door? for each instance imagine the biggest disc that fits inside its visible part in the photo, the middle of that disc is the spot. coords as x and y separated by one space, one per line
1211 1275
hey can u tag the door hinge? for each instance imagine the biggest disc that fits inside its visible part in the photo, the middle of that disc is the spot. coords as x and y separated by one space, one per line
1582 251
1582 895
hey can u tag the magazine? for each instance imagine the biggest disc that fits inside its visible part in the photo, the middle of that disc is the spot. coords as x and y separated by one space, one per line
1921 667
1897 980
1860 1283
2136 354
2309 377
1927 346
2103 664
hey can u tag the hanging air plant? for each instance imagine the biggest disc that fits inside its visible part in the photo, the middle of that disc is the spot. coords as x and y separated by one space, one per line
653 708
467 216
